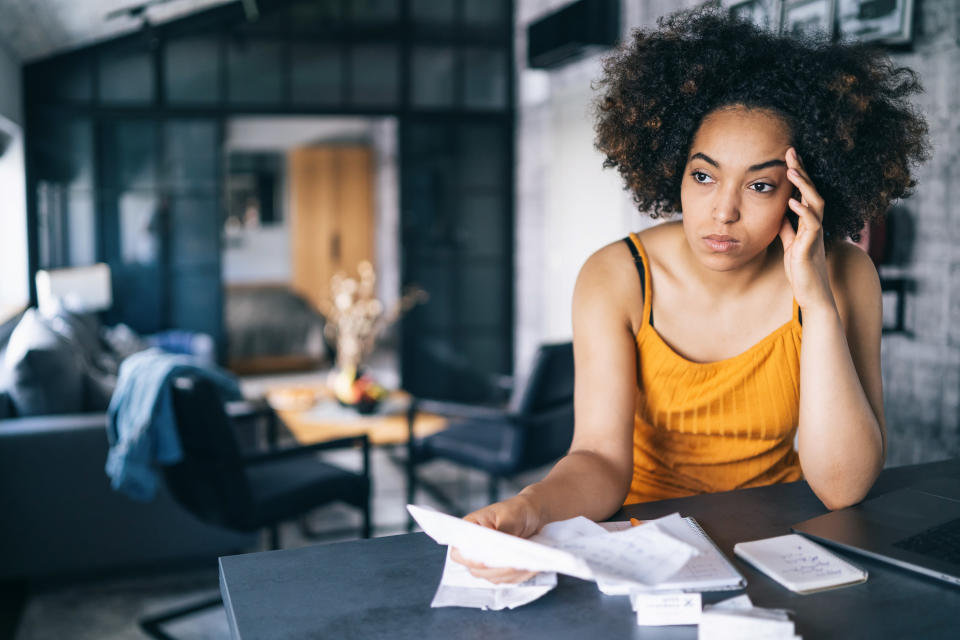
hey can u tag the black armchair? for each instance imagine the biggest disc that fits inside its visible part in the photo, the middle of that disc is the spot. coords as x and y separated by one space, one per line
220 486
534 429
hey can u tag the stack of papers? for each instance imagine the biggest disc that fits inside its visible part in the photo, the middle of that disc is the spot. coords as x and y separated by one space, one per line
738 619
709 570
578 547
642 556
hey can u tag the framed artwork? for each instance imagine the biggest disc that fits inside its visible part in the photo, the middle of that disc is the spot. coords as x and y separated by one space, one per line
808 16
763 13
887 21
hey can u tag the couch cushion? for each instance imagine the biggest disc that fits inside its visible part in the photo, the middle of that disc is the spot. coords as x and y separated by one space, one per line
44 371
99 362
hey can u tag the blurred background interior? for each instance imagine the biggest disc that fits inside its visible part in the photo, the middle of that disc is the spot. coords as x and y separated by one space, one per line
191 175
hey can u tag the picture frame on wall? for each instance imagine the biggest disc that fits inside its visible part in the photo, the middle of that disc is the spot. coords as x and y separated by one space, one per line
886 21
766 14
802 17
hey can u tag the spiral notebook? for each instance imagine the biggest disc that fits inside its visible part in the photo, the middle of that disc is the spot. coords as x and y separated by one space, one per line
709 571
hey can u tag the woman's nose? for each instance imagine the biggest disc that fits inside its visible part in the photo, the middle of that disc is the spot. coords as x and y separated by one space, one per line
726 208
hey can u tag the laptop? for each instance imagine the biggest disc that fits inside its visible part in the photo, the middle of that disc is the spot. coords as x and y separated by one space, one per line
917 528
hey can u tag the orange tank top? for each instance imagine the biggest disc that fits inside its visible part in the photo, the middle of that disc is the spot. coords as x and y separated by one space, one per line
713 426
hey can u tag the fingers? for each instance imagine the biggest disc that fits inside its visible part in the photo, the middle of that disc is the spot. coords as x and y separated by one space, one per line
503 575
787 234
456 556
809 220
498 575
799 177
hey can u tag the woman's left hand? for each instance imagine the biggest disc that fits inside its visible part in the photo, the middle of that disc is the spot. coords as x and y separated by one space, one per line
804 256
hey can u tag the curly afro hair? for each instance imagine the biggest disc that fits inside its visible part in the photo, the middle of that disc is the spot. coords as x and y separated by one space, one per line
847 106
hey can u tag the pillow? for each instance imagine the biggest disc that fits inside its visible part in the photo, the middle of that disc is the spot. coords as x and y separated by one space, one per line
99 363
44 370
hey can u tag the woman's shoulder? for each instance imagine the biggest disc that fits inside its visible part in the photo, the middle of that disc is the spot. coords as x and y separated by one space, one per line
850 265
660 242
609 284
607 264
853 279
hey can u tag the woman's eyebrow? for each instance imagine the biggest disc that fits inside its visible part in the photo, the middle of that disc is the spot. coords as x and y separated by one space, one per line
756 167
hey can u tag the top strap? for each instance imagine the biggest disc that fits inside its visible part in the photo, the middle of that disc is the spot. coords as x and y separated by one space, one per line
640 260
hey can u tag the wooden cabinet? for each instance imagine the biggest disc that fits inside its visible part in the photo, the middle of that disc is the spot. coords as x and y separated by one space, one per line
331 205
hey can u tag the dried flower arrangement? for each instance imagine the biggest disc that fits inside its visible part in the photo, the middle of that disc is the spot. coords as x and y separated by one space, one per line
355 319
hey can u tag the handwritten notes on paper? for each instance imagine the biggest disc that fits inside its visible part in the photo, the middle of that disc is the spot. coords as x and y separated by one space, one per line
576 547
708 571
799 564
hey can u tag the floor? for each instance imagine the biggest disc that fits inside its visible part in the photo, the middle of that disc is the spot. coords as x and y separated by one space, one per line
108 608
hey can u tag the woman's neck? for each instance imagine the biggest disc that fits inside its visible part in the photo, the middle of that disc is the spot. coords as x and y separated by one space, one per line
735 282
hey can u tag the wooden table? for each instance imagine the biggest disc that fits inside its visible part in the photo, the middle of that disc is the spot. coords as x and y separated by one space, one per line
328 420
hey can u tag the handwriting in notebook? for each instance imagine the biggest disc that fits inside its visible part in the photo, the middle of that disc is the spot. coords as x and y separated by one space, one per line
803 563
798 563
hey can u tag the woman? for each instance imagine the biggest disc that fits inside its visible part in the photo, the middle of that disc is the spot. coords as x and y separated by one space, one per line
706 347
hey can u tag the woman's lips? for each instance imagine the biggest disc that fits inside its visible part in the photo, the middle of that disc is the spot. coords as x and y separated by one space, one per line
720 244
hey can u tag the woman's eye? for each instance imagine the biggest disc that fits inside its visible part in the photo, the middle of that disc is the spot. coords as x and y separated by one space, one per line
762 187
700 177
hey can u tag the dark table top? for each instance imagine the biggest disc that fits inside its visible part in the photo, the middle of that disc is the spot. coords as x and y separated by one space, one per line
382 588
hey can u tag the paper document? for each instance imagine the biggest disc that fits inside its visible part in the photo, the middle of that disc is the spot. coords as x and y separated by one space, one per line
670 608
459 588
738 619
708 571
577 547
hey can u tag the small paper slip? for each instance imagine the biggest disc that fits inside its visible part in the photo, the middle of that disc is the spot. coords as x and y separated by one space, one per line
708 571
671 608
738 619
799 564
458 588
577 547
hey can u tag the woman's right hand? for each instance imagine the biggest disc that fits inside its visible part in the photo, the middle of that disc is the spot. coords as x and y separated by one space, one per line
518 516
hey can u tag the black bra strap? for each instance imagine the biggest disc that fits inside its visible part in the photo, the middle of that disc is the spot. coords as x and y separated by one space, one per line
638 261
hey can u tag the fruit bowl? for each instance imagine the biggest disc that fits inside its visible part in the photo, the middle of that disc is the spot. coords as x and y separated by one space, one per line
359 392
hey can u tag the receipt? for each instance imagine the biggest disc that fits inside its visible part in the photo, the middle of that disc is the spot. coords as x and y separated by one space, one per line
576 547
667 608
737 619
459 588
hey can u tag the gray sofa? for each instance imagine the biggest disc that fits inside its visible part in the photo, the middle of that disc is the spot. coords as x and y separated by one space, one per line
58 513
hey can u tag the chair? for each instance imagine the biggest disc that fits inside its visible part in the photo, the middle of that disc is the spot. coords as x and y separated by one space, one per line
220 486
535 428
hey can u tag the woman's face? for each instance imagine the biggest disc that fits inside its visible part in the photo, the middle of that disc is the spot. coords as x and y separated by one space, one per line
734 191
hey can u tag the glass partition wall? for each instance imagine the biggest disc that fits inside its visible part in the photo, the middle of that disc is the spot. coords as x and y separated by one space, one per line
125 159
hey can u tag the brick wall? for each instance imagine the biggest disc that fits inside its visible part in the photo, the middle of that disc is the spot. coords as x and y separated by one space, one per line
921 367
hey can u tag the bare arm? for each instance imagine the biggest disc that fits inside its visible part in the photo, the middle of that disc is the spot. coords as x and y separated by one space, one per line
841 432
593 479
